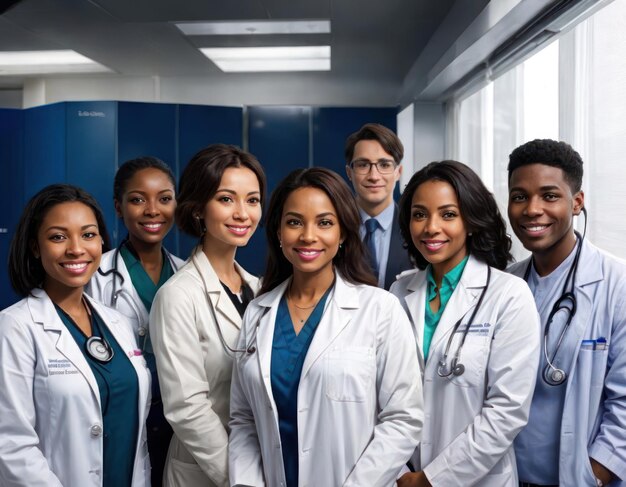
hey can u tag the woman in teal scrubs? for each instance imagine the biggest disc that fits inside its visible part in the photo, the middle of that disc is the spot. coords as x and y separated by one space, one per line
322 392
130 275
73 385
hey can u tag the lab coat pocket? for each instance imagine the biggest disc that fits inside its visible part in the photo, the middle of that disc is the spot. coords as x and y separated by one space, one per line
473 357
349 373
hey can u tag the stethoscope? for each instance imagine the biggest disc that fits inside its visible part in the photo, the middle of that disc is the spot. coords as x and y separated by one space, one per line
96 346
456 368
552 375
117 292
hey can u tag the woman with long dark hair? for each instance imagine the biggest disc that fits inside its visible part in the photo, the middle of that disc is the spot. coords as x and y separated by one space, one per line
321 392
476 329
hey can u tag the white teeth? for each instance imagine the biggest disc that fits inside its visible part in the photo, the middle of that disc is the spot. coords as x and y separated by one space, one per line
238 229
537 228
434 246
152 226
309 252
75 266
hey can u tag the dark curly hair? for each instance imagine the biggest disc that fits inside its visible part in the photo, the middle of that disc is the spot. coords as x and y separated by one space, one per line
551 153
26 271
350 261
489 241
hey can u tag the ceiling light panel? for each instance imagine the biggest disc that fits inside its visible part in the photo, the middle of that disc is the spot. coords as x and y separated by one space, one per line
46 62
254 27
265 59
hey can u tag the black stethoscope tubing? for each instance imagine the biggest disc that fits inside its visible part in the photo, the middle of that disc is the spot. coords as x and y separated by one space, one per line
552 375
457 368
117 274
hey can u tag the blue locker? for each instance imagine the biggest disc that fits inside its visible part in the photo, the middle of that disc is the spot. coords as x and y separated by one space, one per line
332 126
279 138
198 127
11 191
91 155
44 147
147 129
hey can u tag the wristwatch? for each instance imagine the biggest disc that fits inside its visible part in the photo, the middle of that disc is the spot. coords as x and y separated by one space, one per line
599 482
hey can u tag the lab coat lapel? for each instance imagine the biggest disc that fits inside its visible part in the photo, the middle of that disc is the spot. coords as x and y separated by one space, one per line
43 312
463 298
589 272
338 313
265 332
216 293
415 301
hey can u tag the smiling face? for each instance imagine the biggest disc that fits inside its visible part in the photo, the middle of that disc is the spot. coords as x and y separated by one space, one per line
231 216
69 246
374 191
541 210
147 207
437 228
309 232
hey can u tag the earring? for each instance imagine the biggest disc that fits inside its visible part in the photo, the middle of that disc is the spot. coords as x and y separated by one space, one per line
340 245
280 244
469 234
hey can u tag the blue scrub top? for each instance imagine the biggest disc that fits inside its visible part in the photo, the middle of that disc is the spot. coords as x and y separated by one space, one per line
119 396
288 353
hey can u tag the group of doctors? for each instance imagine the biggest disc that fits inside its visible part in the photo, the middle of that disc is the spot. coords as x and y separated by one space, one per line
134 368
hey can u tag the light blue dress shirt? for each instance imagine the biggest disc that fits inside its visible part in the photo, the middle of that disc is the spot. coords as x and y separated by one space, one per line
537 446
382 238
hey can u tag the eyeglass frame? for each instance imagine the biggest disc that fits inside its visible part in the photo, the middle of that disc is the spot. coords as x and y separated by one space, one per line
374 164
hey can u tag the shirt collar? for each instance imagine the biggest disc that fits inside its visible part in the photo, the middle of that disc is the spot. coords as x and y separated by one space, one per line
450 279
385 217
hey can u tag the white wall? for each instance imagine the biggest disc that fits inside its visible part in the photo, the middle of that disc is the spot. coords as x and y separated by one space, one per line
238 90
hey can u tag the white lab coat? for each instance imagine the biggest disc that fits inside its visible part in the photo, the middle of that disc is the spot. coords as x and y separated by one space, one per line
594 413
50 416
128 301
359 398
471 420
195 371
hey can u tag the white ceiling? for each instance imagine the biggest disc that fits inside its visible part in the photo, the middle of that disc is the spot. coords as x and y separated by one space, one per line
373 40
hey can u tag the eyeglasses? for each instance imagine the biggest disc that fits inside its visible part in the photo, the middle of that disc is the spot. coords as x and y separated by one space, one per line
363 166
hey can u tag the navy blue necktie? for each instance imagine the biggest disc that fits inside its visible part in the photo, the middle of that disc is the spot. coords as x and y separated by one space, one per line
370 242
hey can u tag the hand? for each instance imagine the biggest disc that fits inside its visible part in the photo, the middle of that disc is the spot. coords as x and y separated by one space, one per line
601 472
417 479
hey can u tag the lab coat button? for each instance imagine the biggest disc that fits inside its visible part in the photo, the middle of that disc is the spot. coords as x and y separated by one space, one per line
142 331
96 430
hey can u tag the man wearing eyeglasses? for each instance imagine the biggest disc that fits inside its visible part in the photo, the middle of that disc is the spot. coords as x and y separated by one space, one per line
373 156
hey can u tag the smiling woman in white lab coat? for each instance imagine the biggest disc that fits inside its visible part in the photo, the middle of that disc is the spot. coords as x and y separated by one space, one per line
196 315
475 328
74 388
130 275
323 392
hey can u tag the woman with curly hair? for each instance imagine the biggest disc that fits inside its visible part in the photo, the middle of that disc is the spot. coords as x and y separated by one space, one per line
476 329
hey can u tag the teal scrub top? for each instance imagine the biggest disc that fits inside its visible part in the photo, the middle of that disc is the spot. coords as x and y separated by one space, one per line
448 285
288 353
147 289
119 395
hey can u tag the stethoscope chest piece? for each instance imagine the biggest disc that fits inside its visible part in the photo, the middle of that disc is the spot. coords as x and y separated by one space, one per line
554 376
99 349
458 369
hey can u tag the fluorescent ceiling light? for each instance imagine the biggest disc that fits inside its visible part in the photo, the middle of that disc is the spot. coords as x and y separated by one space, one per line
254 27
259 59
46 62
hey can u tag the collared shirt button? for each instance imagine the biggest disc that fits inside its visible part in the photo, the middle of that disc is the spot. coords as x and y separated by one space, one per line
96 430
142 331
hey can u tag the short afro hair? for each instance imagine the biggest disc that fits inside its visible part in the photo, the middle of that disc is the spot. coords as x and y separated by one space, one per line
551 153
